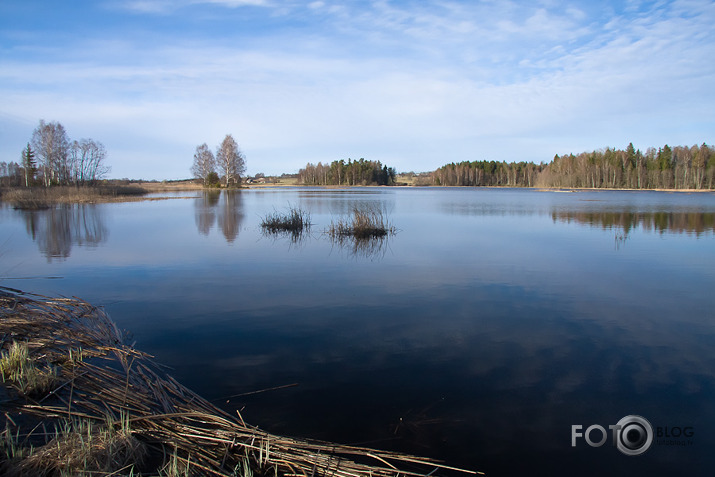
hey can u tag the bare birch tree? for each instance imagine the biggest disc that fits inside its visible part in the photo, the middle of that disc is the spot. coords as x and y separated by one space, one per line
86 160
204 163
230 160
51 145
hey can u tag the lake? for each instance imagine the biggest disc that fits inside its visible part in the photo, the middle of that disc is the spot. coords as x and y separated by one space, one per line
488 326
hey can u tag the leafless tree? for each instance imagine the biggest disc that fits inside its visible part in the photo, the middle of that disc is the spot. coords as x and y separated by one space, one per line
86 161
204 163
10 174
230 160
51 145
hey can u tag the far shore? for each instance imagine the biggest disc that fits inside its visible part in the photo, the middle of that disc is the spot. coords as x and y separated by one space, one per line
126 191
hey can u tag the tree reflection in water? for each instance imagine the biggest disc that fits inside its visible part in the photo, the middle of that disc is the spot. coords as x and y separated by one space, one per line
205 210
57 229
224 207
693 222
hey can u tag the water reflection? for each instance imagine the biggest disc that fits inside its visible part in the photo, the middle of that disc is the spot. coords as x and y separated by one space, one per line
342 202
691 222
296 237
57 229
371 248
205 210
225 207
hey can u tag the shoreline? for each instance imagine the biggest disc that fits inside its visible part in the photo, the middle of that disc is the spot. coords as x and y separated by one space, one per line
116 410
538 189
41 198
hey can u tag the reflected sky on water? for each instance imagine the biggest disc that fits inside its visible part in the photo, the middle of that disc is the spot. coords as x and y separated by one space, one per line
479 333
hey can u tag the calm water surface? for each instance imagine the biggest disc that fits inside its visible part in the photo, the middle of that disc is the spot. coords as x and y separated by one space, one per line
492 322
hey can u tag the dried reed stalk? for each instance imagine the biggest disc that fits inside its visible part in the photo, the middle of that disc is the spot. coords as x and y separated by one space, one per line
102 378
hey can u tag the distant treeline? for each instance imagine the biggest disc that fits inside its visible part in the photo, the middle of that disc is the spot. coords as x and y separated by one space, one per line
488 173
680 167
360 172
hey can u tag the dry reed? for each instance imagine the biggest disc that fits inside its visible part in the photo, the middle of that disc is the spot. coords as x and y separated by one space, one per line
42 198
109 385
295 222
364 223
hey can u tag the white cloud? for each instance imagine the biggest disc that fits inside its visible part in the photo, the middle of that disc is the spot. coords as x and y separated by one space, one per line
469 81
234 3
171 6
147 6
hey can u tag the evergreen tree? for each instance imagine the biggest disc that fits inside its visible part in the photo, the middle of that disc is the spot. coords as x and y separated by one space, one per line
28 163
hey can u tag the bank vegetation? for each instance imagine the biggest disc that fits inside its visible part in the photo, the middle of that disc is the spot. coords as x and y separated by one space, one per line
78 400
41 197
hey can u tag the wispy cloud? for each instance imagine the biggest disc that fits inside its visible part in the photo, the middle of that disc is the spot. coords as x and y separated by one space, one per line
415 84
162 6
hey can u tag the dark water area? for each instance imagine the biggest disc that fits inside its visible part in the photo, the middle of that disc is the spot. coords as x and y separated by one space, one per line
484 330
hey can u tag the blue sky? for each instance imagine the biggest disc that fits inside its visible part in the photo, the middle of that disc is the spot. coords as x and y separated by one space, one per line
414 84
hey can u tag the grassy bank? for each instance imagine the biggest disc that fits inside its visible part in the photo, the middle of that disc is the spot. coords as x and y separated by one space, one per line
41 197
77 400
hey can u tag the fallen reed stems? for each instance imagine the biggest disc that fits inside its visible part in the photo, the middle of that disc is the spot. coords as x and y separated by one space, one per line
113 408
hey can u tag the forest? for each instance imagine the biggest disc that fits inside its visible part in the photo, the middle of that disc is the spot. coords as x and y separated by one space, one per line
680 167
51 158
488 173
360 172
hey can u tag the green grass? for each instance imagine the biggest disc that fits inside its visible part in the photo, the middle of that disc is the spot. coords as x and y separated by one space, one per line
17 367
77 447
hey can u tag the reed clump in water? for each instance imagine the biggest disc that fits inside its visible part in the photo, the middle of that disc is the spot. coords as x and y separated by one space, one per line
363 223
295 221
115 411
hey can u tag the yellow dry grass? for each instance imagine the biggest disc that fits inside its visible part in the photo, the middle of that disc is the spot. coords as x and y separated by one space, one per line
109 384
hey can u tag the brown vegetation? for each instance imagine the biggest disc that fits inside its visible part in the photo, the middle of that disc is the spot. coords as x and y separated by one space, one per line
294 222
363 223
115 411
41 197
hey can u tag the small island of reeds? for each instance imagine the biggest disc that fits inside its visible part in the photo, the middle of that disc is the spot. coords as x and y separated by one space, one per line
363 223
295 221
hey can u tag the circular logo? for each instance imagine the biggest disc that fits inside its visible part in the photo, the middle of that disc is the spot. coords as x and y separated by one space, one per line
634 435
